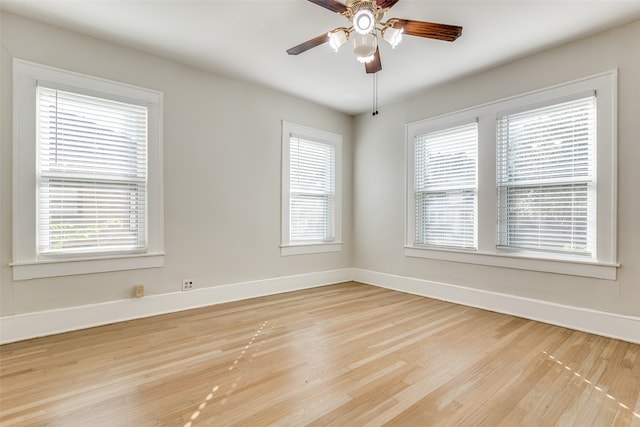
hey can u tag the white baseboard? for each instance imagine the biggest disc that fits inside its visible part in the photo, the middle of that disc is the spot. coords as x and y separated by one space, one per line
626 328
32 325
37 324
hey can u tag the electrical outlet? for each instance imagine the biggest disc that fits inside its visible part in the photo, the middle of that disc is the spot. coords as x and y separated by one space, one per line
138 291
187 285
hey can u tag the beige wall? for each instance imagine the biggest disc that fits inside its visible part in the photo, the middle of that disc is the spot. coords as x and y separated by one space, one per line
222 165
379 174
221 173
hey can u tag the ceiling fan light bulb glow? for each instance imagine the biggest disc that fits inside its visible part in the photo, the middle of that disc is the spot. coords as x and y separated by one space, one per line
393 36
365 59
363 21
337 38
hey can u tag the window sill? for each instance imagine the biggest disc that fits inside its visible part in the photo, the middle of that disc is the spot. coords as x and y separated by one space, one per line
310 248
69 267
586 268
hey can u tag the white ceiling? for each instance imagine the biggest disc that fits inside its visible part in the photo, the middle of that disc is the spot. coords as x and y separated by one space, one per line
248 39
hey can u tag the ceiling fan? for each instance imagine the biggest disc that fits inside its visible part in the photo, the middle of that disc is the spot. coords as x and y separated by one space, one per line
366 18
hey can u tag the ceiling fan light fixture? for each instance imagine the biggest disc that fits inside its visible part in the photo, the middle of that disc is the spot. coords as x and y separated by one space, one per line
364 46
393 36
337 38
364 21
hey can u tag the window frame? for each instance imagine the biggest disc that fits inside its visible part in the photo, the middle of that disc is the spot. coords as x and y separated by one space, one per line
26 263
604 264
288 247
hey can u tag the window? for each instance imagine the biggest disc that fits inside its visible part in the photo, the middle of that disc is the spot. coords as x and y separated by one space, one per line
311 190
445 187
546 201
311 196
87 174
546 191
92 174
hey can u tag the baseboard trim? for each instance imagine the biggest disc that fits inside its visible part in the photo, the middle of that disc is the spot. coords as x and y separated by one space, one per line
626 328
31 325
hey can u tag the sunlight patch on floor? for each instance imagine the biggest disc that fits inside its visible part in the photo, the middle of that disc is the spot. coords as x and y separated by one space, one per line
591 384
209 396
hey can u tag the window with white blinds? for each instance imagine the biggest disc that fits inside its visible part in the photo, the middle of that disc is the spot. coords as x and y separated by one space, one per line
545 170
88 169
541 193
311 190
92 174
446 187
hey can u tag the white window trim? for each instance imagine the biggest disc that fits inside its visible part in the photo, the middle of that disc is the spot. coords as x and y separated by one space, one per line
26 264
604 265
287 247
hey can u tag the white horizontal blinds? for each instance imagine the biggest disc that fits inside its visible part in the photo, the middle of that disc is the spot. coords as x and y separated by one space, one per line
446 187
312 190
92 174
545 173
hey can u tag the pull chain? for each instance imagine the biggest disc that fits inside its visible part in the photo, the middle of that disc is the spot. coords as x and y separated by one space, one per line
375 95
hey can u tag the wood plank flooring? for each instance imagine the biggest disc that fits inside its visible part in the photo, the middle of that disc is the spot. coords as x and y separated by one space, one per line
342 355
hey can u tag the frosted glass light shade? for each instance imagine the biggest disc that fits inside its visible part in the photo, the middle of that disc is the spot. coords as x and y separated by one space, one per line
337 38
365 46
393 36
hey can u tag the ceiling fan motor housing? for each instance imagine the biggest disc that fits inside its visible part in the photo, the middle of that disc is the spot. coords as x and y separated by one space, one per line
358 5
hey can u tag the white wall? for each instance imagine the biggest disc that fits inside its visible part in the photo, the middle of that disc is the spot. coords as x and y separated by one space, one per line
379 175
221 176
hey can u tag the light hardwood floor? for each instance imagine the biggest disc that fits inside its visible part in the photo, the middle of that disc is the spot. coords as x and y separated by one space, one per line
342 355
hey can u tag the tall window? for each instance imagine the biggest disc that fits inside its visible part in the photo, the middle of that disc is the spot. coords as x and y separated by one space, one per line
541 193
546 192
87 174
311 190
92 174
445 187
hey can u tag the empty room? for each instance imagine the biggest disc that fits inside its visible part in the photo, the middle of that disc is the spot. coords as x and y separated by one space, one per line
319 212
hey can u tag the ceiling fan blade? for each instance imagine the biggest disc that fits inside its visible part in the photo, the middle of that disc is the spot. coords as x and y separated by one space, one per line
375 65
332 5
311 43
430 30
386 4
